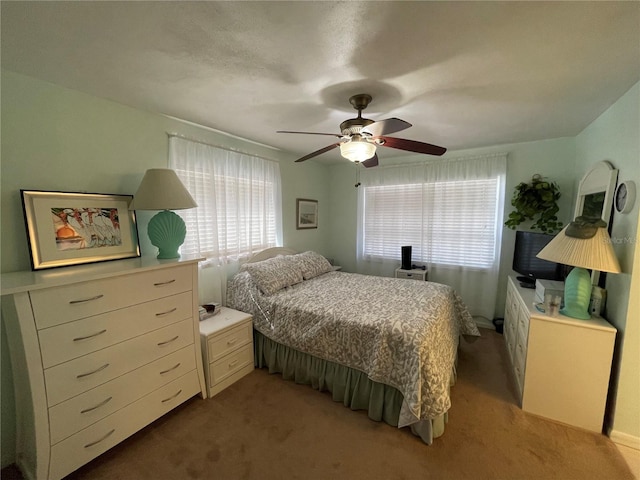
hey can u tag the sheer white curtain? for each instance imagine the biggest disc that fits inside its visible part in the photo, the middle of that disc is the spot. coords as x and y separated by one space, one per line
239 209
450 212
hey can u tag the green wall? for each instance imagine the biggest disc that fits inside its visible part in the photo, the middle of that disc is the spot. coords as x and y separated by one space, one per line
614 136
59 139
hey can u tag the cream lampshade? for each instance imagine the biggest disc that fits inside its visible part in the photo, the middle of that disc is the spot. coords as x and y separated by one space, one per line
161 189
583 244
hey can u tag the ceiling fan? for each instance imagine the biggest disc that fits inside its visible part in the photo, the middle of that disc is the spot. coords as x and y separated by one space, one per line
360 137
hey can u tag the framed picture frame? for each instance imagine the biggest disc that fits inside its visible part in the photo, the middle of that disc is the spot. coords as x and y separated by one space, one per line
306 213
68 228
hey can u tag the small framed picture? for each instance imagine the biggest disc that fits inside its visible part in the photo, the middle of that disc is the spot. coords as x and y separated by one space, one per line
306 213
66 228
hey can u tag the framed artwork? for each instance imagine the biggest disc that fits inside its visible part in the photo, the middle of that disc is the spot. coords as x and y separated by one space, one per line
66 228
306 213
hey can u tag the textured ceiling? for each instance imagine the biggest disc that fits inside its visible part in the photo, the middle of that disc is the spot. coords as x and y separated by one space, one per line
465 74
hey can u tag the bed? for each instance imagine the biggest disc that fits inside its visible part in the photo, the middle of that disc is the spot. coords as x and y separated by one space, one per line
384 345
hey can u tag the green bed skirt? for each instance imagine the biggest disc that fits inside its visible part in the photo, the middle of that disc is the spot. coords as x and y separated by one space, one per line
351 387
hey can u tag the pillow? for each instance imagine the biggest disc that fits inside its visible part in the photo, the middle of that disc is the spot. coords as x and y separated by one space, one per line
312 264
274 274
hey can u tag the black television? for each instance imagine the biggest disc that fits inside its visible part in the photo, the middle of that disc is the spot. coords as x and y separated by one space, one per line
525 262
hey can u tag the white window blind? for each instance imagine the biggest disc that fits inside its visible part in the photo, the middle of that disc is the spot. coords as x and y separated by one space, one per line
449 211
447 223
238 197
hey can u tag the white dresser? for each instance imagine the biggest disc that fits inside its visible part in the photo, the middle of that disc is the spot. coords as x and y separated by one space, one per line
97 353
561 365
227 348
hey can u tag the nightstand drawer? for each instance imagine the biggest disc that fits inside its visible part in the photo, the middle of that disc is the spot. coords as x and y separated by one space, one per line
230 364
224 343
415 274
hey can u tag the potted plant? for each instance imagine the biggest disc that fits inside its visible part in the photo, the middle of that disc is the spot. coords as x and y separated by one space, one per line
536 201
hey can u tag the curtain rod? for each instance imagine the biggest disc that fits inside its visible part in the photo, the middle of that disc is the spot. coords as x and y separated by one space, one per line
230 149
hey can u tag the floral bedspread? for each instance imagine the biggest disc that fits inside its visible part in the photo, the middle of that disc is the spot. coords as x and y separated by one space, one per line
402 333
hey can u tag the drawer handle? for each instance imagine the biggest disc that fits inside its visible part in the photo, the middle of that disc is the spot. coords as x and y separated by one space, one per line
233 364
101 404
82 375
167 312
88 445
73 302
172 396
159 284
168 341
170 369
232 341
78 339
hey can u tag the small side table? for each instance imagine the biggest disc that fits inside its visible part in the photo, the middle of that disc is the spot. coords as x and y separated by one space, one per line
413 274
227 348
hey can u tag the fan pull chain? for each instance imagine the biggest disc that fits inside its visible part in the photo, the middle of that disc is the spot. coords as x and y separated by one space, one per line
357 174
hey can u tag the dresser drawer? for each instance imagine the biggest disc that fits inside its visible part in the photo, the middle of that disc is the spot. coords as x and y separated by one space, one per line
83 410
519 373
523 327
71 453
72 340
221 345
81 374
57 305
230 364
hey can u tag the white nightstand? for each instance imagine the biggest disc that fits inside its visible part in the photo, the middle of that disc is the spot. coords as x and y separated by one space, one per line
414 274
227 348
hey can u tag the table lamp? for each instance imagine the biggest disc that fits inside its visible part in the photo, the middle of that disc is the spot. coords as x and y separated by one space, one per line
161 189
583 244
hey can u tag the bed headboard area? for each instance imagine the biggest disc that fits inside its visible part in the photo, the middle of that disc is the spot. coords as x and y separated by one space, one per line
270 253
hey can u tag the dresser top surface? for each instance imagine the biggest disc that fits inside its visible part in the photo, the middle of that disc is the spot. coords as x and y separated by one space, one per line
528 297
17 282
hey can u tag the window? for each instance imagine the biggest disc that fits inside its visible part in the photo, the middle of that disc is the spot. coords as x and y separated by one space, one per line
447 223
449 211
238 197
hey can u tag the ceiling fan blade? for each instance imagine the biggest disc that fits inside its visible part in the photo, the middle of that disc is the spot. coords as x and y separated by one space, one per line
384 127
371 162
411 145
318 152
311 133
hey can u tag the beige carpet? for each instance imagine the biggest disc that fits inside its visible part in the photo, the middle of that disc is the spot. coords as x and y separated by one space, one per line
266 428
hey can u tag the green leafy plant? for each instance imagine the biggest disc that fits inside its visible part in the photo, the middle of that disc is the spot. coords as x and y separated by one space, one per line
536 201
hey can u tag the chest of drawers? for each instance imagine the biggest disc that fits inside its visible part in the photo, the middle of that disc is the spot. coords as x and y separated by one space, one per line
97 353
227 348
561 365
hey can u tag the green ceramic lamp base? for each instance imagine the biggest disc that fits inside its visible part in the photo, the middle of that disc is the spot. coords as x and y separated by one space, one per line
577 294
167 231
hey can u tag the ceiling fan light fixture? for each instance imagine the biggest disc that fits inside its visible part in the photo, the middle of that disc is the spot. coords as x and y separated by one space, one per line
357 150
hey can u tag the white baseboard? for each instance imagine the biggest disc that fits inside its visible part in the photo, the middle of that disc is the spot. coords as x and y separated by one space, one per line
625 439
482 322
